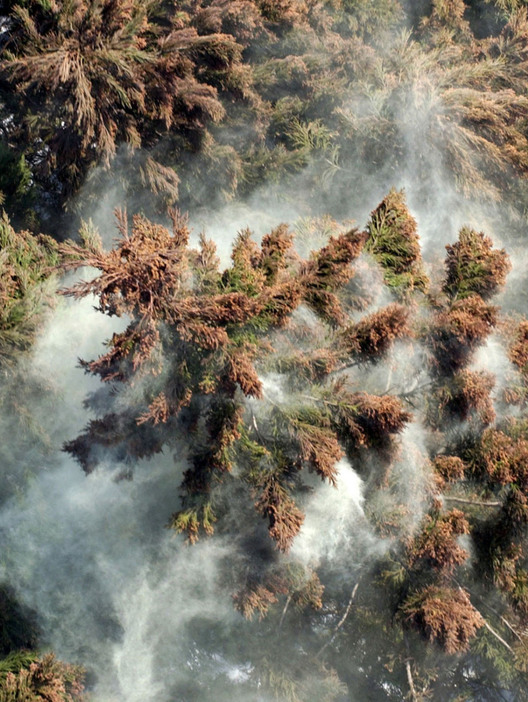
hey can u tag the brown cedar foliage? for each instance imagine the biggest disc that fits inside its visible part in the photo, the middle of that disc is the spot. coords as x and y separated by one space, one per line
240 18
518 352
443 615
315 441
260 592
474 272
466 395
311 366
328 271
320 448
147 276
436 545
257 597
457 331
372 337
501 459
284 517
448 469
211 327
365 420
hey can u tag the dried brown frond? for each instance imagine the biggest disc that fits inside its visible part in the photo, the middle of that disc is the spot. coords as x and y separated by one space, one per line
158 411
436 545
327 306
448 469
161 408
365 420
330 266
240 18
205 263
259 596
254 598
241 372
456 332
159 179
288 13
447 15
284 517
275 247
518 352
312 366
148 266
317 442
371 338
103 73
466 394
444 616
329 270
280 301
207 337
501 459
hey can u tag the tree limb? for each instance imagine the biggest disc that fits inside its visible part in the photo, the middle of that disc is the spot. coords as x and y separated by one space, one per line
479 503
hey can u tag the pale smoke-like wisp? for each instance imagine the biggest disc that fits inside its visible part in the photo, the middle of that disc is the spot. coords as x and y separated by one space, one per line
335 524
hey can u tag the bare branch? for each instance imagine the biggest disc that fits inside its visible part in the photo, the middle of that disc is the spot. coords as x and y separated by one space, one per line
340 622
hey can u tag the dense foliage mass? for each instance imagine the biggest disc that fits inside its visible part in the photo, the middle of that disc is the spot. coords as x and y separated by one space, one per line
319 352
193 362
254 92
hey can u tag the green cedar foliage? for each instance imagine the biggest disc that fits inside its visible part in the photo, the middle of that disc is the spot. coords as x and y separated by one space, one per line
26 287
393 242
27 677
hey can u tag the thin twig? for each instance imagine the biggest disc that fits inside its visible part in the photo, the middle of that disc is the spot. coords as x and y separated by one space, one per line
320 399
414 697
288 600
498 636
255 426
408 660
340 622
345 366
